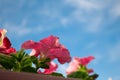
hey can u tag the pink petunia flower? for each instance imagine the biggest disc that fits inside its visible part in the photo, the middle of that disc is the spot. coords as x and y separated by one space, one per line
75 64
5 44
48 48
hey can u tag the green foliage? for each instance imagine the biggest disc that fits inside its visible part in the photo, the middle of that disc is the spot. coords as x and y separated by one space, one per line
78 74
6 61
43 63
21 61
29 69
82 75
57 74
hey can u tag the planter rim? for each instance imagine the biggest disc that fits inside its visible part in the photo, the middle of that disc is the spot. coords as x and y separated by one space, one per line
9 75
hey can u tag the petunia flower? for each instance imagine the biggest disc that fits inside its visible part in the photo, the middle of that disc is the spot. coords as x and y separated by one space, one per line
5 44
75 64
48 48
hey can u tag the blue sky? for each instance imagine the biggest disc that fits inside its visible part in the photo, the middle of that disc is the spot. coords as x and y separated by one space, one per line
85 27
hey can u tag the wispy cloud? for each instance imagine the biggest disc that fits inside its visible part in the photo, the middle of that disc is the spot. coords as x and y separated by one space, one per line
91 13
19 30
86 4
47 12
23 30
86 12
115 11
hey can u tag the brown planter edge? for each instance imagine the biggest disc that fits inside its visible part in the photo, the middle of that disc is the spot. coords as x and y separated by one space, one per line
9 75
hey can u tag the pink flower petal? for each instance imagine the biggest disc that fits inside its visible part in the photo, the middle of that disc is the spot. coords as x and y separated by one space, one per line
58 53
73 66
6 43
30 45
34 52
86 60
0 34
52 68
49 43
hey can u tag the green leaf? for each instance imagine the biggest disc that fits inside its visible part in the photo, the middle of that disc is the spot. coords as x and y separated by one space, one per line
34 59
78 74
21 60
26 62
57 74
29 69
45 66
14 56
6 61
45 61
6 65
19 55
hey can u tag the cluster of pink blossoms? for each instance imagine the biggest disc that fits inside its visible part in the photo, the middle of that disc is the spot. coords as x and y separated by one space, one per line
46 48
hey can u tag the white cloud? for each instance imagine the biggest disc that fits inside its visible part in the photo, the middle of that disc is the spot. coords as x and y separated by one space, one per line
49 11
17 30
87 12
91 23
23 30
91 13
85 4
115 11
